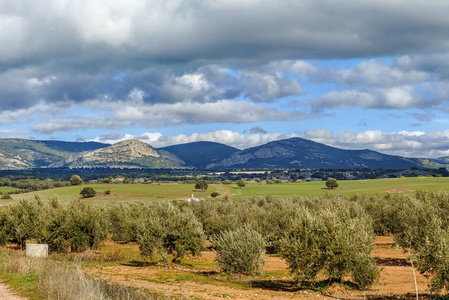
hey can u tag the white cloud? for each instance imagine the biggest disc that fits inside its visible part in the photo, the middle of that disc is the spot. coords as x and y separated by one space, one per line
377 74
318 134
403 97
104 113
227 137
404 143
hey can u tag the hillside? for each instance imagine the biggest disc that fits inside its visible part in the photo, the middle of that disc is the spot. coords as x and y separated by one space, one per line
294 153
25 154
201 154
301 154
126 154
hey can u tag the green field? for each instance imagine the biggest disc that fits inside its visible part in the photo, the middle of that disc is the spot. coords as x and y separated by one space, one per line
347 187
123 192
5 189
165 192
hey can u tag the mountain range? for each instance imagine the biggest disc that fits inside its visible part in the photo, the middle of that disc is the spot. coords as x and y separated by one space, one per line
293 153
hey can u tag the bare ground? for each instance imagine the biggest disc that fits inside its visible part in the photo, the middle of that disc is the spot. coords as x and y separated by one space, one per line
200 279
7 294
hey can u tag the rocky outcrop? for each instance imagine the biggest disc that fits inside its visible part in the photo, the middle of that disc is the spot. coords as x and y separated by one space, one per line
127 154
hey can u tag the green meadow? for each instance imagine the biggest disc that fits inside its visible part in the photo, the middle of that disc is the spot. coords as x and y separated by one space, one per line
5 189
123 192
346 187
167 192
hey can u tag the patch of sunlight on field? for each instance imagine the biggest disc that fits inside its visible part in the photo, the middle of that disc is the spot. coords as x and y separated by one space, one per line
347 187
125 192
6 189
168 192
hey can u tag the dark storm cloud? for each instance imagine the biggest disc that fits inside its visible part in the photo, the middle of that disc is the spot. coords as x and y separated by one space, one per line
206 51
170 31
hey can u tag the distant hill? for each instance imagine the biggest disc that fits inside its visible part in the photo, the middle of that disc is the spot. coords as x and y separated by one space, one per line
73 147
300 153
25 154
294 153
126 154
201 154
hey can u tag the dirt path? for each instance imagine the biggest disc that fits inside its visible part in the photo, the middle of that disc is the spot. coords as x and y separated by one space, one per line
7 294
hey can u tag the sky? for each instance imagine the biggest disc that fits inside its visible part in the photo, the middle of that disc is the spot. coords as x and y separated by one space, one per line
351 74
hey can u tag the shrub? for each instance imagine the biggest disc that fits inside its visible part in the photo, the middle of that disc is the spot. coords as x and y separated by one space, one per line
240 250
107 192
214 194
6 196
88 192
75 180
241 183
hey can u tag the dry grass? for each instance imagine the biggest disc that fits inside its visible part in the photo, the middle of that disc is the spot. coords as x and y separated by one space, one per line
65 282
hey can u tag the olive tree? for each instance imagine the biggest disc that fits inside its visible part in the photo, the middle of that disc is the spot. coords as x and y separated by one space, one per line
336 240
240 250
166 229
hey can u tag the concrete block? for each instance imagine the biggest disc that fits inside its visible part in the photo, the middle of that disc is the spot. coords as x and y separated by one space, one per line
37 250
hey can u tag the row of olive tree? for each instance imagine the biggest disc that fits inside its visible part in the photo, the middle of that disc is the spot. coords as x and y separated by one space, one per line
75 226
331 236
419 222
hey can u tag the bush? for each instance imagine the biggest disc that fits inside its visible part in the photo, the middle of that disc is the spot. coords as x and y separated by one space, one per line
240 250
107 192
75 180
88 192
214 194
6 196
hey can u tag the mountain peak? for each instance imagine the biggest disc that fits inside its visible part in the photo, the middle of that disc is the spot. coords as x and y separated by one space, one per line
127 148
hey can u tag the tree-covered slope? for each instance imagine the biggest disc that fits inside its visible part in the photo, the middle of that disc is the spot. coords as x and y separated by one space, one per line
201 154
300 153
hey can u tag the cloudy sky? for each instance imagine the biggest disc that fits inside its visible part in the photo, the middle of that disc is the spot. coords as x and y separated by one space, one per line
351 74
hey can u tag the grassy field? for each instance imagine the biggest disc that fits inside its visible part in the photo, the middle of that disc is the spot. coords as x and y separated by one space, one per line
5 189
123 192
165 192
347 187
